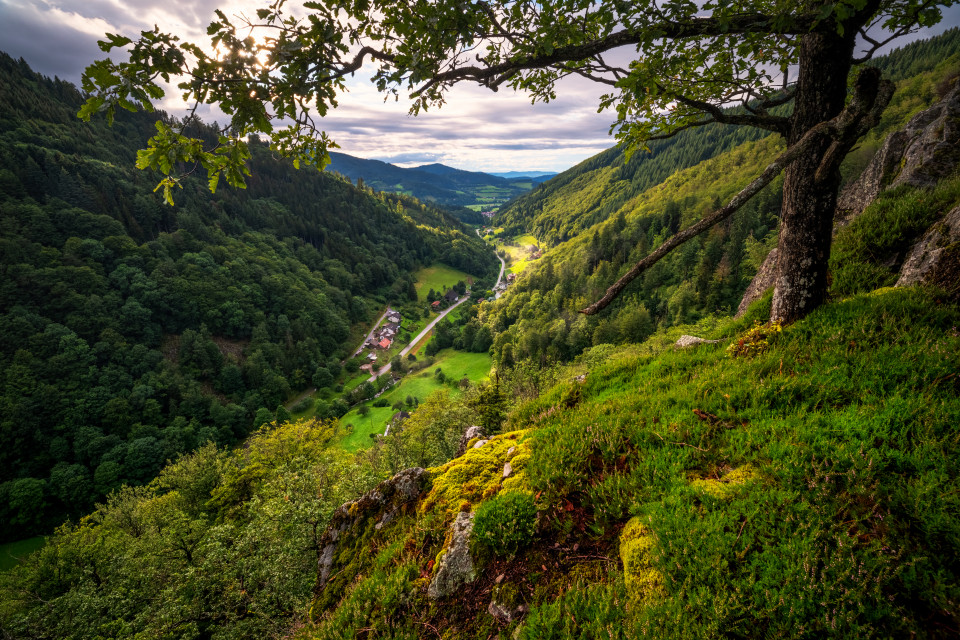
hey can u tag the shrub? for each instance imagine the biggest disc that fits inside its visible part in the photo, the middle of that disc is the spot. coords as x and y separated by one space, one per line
381 402
755 341
506 522
303 405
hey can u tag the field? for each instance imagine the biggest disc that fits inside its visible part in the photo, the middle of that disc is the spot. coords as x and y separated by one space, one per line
454 364
436 276
11 552
518 248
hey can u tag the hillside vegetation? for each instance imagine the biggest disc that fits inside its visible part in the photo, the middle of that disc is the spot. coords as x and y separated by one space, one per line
777 482
132 331
538 318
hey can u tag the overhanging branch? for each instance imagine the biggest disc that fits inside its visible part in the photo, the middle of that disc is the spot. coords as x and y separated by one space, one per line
871 95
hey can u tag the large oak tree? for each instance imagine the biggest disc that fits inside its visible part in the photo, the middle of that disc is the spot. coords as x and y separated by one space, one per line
787 65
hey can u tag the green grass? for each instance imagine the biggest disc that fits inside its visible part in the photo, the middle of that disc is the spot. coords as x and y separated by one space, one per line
848 424
518 249
11 552
436 276
454 364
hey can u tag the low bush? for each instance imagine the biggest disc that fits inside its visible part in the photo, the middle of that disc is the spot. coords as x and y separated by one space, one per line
506 523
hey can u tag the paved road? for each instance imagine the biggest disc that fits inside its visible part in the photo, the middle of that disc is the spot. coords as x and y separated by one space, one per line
370 335
386 368
503 265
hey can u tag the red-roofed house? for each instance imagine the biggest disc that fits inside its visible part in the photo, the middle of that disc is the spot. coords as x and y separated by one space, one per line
385 343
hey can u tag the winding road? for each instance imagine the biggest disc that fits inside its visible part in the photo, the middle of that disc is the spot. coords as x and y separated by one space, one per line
503 265
386 368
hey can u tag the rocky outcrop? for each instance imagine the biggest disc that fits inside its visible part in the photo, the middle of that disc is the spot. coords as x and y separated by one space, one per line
764 279
922 153
691 341
935 259
470 434
455 566
380 505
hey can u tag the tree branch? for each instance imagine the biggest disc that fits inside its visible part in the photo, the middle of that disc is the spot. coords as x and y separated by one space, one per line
776 124
871 96
696 27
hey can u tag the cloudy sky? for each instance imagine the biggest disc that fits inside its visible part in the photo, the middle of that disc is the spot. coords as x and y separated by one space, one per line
476 129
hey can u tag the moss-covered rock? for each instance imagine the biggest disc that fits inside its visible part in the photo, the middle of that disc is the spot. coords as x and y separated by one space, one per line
728 483
454 566
642 580
475 476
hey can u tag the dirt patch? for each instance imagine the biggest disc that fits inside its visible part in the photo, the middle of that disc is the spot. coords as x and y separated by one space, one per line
231 349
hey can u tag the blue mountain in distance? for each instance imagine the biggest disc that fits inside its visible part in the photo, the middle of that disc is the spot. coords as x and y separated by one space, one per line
463 193
512 175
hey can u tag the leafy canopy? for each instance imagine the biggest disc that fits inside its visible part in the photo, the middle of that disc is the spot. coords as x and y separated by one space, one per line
669 65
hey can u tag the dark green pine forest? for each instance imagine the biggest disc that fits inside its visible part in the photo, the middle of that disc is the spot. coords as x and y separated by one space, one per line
132 332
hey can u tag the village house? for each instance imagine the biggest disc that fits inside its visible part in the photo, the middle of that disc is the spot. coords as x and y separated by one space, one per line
385 343
451 296
394 318
435 304
511 277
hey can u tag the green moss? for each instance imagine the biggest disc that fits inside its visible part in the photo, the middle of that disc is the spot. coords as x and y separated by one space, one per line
642 580
728 484
476 475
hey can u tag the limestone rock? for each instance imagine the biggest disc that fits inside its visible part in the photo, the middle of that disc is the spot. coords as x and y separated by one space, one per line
938 252
381 503
504 606
468 435
455 567
690 341
765 278
507 469
927 149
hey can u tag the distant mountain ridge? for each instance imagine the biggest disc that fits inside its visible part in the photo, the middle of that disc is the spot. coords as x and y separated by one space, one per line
454 189
542 175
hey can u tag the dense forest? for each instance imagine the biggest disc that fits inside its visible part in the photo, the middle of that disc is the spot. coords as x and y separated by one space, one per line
616 211
780 481
132 331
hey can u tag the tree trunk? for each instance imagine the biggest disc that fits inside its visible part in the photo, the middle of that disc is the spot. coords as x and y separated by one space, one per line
806 222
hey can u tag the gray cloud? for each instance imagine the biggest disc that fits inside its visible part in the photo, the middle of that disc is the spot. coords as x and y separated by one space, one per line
475 130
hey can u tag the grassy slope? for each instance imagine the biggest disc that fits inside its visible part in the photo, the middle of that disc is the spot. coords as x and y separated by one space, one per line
12 552
436 276
518 249
455 365
822 471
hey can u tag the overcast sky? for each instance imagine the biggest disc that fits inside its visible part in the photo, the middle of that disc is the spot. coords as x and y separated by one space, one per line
476 130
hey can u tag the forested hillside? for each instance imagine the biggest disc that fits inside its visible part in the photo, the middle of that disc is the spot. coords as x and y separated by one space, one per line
538 318
132 331
598 188
433 183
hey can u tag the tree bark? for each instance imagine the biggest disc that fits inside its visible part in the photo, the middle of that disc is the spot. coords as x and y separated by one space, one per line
809 189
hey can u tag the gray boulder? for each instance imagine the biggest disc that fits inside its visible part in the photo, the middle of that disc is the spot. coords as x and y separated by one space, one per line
468 435
922 153
765 278
382 503
456 566
691 341
936 257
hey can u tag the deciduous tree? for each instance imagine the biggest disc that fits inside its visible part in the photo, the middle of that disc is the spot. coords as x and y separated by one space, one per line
669 66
